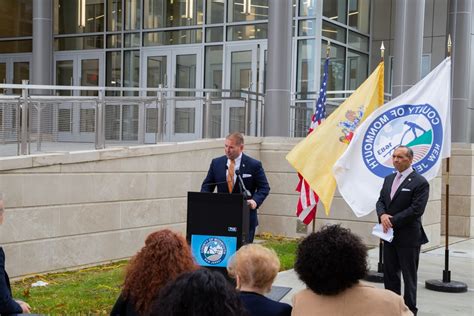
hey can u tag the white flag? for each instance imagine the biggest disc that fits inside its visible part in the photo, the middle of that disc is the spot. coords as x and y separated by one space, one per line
419 118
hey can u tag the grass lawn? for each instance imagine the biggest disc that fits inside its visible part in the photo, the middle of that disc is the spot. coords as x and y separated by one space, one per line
94 290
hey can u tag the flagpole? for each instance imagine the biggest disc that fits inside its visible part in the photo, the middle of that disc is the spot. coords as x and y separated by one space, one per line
446 284
377 276
328 51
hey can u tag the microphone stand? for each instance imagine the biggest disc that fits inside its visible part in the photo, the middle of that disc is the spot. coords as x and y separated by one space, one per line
246 193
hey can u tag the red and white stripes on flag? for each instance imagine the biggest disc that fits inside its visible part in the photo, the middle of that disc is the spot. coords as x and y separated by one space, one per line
308 200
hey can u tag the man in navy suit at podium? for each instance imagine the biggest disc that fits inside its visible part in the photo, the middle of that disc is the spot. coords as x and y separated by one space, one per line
223 174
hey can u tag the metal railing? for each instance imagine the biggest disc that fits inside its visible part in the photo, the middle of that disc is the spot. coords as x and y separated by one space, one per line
66 118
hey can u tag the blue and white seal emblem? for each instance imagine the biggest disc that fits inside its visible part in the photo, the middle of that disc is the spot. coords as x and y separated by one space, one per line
417 126
213 250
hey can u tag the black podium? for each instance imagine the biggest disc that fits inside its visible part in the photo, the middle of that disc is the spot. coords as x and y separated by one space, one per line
217 225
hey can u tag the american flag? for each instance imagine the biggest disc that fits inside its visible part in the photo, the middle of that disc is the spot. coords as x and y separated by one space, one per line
308 200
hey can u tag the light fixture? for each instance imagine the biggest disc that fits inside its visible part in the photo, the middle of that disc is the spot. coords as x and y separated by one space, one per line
189 9
81 13
247 4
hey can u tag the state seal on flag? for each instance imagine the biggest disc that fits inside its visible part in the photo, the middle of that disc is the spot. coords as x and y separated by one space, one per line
417 126
213 250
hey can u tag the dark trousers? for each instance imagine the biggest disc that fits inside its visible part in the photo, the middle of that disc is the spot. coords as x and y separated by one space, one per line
402 260
253 223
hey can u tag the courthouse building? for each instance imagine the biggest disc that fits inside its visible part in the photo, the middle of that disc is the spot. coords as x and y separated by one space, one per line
258 61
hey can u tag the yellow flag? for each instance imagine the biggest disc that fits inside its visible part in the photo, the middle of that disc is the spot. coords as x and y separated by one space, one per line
315 155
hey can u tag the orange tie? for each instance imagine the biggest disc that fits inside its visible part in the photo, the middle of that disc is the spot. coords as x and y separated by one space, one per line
230 175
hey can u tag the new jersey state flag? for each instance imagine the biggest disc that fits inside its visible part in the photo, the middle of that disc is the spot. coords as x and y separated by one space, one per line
314 156
419 119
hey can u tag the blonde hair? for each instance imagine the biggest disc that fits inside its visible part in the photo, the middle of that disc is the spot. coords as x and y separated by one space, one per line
237 137
255 265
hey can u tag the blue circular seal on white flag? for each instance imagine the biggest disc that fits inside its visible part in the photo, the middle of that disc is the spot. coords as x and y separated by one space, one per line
213 250
417 126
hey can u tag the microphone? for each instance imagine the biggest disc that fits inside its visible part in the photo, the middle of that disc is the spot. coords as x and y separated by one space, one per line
246 193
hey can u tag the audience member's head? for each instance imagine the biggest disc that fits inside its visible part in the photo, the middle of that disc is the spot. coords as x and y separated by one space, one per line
198 293
254 267
331 260
165 255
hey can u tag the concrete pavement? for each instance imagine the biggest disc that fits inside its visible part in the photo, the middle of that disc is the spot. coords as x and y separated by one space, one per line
430 303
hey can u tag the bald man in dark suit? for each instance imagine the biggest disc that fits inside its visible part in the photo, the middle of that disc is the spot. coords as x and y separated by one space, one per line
401 204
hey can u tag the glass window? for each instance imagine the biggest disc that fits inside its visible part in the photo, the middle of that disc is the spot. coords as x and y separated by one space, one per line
215 11
77 43
357 69
307 7
114 41
246 32
241 71
184 120
17 17
114 15
64 75
78 16
186 73
335 10
156 72
151 120
90 75
305 68
236 119
21 71
172 37
358 41
247 10
307 28
334 32
359 15
112 73
214 34
163 13
132 14
3 77
131 70
213 67
336 71
25 46
132 40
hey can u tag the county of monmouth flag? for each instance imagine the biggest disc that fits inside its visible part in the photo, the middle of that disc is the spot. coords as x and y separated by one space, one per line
308 200
314 156
419 119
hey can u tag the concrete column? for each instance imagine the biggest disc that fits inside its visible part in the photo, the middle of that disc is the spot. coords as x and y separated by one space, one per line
461 15
42 68
277 99
408 44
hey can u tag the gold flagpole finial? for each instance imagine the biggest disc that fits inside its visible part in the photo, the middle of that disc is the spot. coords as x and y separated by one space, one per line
449 44
328 49
382 50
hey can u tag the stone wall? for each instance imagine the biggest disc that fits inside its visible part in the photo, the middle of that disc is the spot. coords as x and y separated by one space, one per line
69 210
461 191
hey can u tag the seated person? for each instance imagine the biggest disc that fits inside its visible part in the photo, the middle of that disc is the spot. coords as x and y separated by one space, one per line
165 255
254 268
331 263
7 304
198 293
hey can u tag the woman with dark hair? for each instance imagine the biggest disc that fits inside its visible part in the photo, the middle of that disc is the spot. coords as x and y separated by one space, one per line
331 263
165 255
198 293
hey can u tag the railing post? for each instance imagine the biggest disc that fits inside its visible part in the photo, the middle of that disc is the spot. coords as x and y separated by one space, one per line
99 122
247 113
206 118
24 119
38 141
160 115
